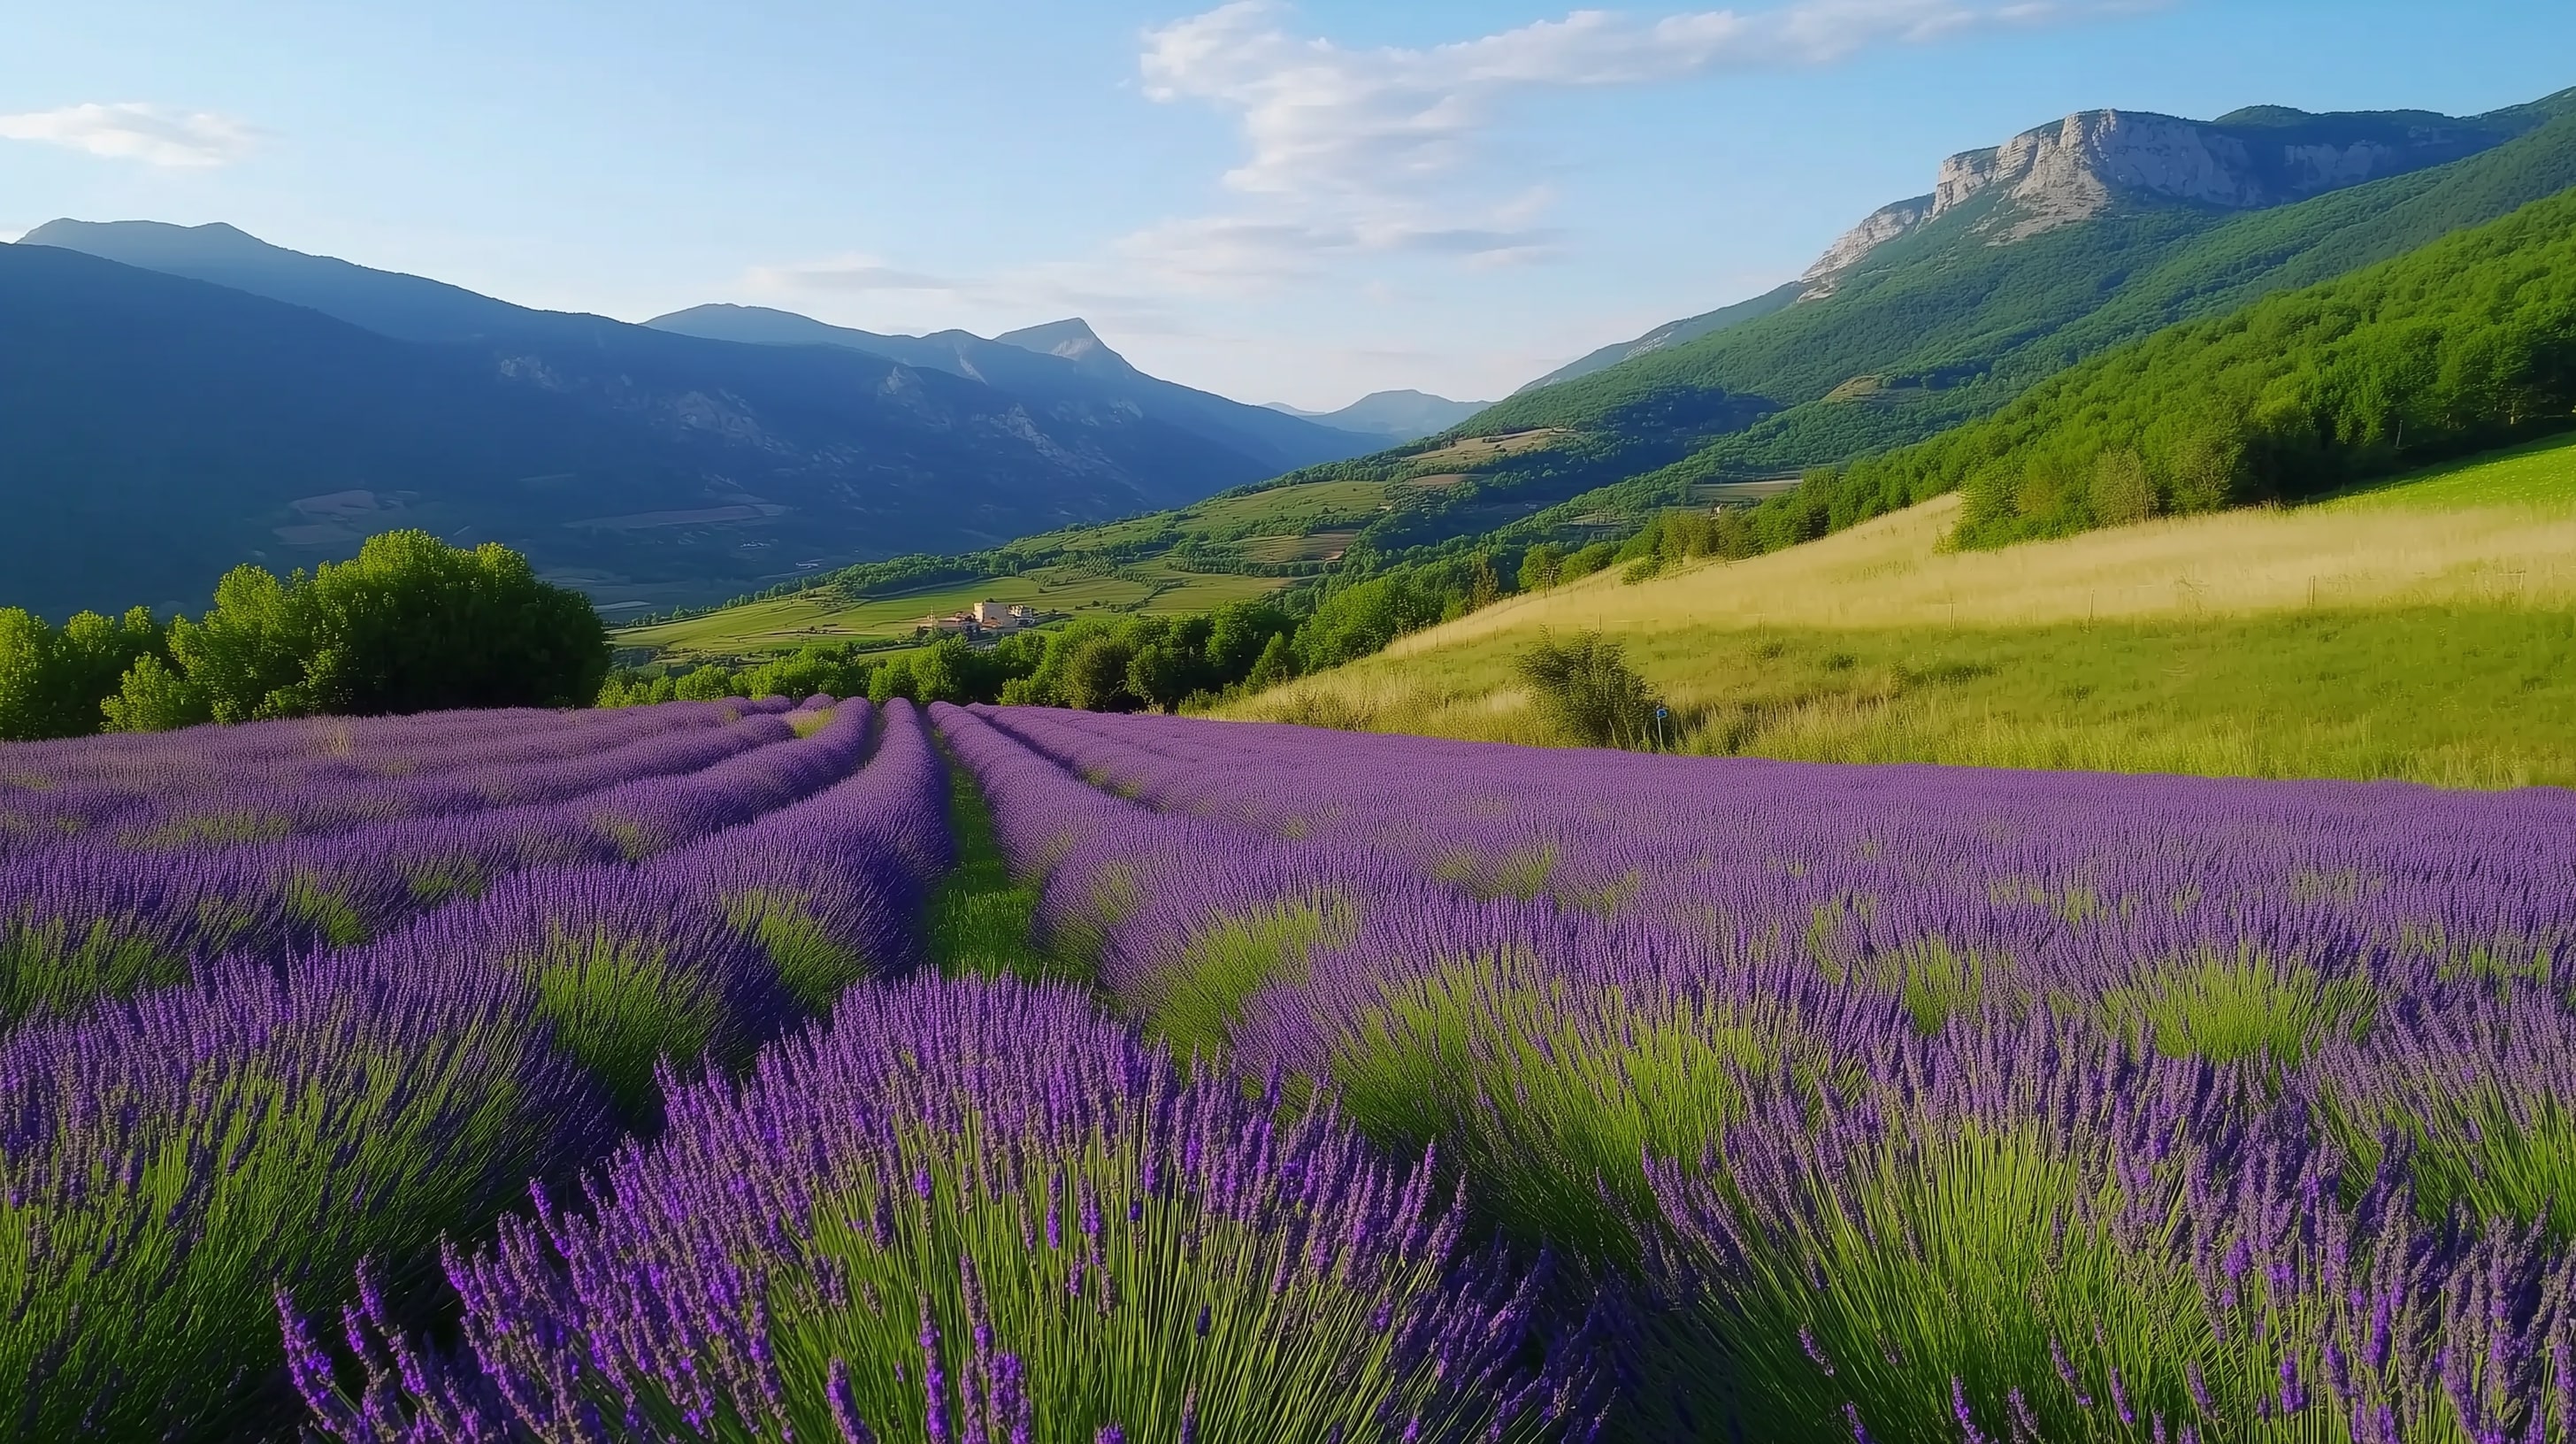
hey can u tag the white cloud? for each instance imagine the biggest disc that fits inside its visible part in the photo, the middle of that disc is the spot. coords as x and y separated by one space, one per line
151 134
1383 149
1360 165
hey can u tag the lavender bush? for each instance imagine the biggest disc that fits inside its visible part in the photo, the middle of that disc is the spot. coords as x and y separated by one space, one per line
1935 1104
974 1210
78 922
171 1160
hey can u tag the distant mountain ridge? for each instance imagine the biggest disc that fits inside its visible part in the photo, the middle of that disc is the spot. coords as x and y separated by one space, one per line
1060 363
195 397
1392 415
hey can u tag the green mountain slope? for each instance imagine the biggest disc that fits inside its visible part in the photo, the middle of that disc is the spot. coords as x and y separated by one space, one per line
1947 323
1674 333
2461 346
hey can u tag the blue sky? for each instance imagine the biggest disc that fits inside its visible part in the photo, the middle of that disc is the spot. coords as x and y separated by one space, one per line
1298 202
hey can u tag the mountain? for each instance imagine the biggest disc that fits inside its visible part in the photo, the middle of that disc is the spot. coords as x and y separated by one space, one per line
1393 415
1062 364
2061 242
647 466
155 430
2466 345
408 308
1673 333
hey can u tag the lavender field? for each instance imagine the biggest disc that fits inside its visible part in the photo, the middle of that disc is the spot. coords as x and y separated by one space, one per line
631 1075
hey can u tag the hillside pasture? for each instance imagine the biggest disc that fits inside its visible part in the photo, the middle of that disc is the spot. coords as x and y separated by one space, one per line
1470 452
2400 634
1312 547
1284 508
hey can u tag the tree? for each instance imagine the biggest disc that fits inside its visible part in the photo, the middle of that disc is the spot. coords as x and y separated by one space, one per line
245 658
154 697
54 683
1539 566
1277 664
1095 673
2121 491
410 625
26 650
1161 674
945 671
415 625
709 683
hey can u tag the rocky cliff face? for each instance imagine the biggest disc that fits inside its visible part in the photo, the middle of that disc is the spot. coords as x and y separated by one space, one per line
1881 226
2071 171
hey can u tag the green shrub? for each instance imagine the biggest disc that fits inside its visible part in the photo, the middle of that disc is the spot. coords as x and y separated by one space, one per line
1588 692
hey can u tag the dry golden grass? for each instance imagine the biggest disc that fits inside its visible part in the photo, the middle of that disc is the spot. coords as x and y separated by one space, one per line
1893 572
2383 641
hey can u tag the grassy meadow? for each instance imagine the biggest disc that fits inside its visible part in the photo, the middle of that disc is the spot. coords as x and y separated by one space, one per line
2423 630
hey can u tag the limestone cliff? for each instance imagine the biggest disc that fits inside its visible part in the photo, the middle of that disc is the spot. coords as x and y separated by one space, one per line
1881 226
2071 171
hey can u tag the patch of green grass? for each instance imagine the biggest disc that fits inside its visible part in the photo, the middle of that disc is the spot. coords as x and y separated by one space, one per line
814 968
2222 1009
311 900
1286 508
2540 474
48 967
982 921
2479 1145
212 829
1549 1098
2018 1250
782 624
620 1005
1201 990
1522 875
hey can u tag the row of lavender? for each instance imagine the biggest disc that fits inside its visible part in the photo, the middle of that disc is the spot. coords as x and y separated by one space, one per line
262 1107
209 786
88 919
969 1210
1931 1105
959 1211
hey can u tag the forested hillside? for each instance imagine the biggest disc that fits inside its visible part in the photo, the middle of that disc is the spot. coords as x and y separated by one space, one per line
2467 344
1943 325
1948 321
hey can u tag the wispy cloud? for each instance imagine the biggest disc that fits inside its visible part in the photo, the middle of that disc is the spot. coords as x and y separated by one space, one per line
152 134
846 273
1386 148
1361 165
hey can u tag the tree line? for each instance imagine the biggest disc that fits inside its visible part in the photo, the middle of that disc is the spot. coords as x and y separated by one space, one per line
1126 663
409 625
